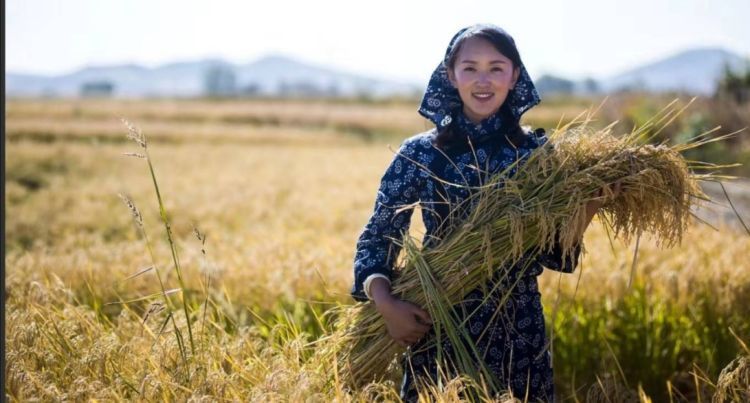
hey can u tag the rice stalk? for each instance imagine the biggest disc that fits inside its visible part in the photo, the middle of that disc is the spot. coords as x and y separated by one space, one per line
134 133
138 217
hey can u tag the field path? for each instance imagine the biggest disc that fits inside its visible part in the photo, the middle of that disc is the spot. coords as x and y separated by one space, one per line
720 211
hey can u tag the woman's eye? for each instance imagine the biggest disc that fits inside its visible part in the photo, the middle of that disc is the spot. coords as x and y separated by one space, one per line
493 70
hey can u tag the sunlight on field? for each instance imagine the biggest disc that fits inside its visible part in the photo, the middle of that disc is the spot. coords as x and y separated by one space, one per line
282 191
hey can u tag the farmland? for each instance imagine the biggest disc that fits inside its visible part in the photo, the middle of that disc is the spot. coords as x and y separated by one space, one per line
279 190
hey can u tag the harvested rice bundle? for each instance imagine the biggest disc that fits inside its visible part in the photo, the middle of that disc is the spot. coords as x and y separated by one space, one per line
510 217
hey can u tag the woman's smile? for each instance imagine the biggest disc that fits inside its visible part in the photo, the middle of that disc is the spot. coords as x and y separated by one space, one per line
483 97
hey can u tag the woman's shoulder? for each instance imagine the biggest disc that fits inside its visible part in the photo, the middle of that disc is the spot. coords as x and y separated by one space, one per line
420 143
423 140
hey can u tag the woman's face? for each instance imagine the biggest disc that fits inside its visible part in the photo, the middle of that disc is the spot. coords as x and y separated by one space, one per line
483 77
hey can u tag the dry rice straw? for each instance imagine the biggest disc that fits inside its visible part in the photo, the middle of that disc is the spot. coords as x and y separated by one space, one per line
528 214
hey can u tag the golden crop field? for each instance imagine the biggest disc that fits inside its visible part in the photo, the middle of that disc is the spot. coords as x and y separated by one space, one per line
280 190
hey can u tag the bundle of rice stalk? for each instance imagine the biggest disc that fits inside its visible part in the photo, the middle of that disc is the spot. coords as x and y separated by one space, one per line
512 218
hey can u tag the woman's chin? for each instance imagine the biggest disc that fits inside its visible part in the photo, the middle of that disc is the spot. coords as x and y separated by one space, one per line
480 114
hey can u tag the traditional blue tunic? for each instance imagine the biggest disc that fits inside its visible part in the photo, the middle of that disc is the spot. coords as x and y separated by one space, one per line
511 338
515 342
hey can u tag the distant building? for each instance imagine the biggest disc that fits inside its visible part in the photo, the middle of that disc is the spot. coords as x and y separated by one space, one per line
220 81
301 89
97 89
250 90
550 85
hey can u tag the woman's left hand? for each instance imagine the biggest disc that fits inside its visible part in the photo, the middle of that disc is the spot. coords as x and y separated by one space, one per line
593 205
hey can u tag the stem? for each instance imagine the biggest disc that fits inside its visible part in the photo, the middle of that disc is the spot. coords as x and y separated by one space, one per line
173 247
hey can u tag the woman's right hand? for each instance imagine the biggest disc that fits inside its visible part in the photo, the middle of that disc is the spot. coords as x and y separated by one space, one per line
405 321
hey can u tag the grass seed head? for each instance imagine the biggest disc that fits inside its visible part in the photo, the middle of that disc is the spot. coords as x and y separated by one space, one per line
734 381
135 133
133 209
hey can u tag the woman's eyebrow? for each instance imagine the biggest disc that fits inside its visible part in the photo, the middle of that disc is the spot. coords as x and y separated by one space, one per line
492 62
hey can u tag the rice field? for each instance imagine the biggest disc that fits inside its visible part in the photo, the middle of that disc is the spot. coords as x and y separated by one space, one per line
279 191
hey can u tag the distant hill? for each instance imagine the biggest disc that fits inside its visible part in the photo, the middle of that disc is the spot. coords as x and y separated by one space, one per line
272 75
695 71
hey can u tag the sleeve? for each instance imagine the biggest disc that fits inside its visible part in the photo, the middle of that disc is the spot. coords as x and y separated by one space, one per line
379 243
554 259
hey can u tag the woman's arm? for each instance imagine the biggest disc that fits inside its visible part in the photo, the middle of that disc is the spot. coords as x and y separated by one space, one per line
378 244
554 258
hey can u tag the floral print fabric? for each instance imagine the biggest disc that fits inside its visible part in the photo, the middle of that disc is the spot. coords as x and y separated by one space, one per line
510 332
514 343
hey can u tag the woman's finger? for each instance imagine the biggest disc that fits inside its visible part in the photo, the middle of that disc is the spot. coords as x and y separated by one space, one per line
423 315
422 328
418 334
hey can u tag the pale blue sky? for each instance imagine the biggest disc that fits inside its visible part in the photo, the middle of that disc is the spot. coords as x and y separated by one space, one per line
386 38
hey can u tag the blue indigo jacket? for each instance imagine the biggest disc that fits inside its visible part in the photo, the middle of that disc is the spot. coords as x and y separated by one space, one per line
408 181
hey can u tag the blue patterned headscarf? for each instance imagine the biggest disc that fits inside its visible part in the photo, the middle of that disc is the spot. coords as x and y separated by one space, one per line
442 104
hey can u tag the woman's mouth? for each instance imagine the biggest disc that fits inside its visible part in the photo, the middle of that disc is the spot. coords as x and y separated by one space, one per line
483 96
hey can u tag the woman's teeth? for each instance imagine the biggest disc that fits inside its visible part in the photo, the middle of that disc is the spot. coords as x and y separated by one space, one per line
482 95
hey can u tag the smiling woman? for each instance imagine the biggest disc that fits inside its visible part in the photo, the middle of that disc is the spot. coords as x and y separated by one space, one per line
475 98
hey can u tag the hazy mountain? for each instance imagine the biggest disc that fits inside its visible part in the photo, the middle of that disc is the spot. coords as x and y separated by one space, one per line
272 75
694 71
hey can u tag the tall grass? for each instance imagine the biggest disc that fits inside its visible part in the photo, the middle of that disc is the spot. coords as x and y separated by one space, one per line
139 138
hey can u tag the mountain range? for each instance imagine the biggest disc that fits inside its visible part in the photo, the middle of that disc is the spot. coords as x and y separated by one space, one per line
694 71
270 76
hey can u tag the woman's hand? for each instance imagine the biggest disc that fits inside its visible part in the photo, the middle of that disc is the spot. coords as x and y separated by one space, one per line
593 206
405 321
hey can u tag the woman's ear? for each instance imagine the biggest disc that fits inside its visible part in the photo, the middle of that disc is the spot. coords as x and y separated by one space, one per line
451 77
516 74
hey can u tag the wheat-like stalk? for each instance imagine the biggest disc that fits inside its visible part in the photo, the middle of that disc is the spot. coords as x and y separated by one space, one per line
527 214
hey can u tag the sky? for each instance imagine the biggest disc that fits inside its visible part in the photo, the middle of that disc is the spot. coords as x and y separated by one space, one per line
398 40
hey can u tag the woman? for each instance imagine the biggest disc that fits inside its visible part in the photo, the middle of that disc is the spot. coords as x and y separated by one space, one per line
475 98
